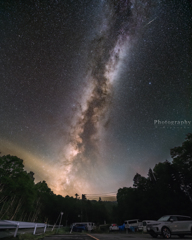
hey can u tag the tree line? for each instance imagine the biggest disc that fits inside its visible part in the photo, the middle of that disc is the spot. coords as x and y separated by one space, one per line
22 199
167 189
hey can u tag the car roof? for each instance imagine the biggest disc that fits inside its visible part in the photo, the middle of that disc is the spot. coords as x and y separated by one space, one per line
176 215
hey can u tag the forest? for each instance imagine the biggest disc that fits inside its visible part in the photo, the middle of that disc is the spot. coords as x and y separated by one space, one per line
167 189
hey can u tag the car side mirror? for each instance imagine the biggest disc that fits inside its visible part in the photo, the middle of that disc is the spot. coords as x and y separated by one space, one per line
171 220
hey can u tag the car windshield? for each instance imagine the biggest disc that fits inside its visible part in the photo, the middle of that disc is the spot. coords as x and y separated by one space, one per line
164 218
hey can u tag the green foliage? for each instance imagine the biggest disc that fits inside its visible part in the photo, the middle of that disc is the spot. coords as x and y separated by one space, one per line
26 236
16 188
30 236
23 200
166 190
182 160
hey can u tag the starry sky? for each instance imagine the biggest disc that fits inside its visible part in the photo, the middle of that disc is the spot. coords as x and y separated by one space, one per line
93 92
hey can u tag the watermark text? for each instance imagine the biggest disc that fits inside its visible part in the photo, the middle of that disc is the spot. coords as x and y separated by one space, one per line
167 123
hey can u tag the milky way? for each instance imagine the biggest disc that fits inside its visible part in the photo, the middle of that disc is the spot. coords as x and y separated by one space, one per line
82 83
120 23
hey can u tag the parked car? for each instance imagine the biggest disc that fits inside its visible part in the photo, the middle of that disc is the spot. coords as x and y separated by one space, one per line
171 225
79 227
82 226
113 227
133 225
146 223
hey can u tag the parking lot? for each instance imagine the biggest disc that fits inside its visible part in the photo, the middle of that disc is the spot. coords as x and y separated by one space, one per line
111 236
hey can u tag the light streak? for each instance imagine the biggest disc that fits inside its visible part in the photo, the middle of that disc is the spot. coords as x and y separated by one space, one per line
151 21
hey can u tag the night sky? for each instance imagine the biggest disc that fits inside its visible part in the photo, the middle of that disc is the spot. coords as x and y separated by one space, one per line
93 92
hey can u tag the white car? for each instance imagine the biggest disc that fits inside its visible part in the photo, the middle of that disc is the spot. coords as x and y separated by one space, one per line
134 224
146 223
171 225
113 227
